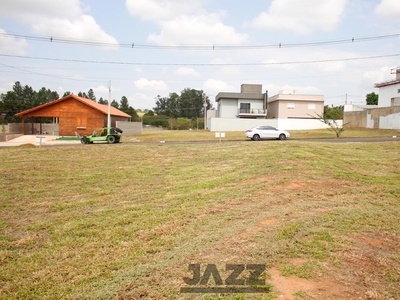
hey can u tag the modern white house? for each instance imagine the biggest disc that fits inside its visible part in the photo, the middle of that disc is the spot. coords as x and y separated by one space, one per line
251 107
389 91
250 103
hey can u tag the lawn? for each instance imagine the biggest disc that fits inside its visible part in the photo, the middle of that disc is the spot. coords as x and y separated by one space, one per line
125 221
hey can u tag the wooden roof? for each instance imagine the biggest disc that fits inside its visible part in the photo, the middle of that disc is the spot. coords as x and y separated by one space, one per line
100 107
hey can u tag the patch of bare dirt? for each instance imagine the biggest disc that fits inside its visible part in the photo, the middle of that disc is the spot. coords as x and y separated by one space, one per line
293 288
371 265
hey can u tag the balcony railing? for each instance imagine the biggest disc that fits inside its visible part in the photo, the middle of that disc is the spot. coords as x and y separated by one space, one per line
252 111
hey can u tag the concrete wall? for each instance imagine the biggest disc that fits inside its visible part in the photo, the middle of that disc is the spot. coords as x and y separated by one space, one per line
382 118
50 129
251 88
218 124
4 137
235 124
130 128
227 108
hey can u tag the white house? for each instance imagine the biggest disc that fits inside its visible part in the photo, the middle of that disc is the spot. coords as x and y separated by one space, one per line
389 91
250 103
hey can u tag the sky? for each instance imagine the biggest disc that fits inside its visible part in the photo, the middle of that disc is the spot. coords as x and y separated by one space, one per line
146 48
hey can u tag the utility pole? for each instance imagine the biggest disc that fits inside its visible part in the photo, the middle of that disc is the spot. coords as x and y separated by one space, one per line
205 111
109 105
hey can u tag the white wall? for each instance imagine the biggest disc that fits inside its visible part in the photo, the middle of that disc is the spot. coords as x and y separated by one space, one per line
228 108
235 124
390 121
387 93
304 124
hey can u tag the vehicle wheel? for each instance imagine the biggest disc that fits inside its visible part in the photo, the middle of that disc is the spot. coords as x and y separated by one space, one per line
83 140
110 139
256 137
282 136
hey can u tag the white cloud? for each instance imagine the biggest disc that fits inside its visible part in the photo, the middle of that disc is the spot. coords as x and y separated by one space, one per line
301 16
153 85
9 44
162 10
59 18
185 22
206 29
215 86
27 11
184 71
388 8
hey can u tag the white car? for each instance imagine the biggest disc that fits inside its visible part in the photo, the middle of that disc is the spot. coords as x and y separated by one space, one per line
266 132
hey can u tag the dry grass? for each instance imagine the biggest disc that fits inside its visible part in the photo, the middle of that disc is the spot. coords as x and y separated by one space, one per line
124 221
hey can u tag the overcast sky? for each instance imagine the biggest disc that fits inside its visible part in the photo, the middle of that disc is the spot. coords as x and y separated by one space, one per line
154 47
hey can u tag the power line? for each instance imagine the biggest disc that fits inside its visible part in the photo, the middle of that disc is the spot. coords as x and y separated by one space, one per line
213 47
201 64
47 75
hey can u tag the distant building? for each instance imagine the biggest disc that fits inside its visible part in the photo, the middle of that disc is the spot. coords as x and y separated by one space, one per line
252 107
251 103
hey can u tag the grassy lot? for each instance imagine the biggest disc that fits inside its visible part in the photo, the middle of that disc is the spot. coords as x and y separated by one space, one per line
124 221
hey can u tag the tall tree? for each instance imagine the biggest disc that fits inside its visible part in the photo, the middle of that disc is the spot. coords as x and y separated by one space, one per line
372 98
91 96
102 101
190 104
19 99
83 95
124 104
132 112
115 104
45 96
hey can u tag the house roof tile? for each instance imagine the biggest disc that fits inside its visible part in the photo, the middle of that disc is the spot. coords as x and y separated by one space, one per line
100 107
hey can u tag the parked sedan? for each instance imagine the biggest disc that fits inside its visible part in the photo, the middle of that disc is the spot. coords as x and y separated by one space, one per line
266 132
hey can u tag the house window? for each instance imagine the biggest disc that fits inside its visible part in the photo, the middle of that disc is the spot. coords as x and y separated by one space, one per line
290 106
311 105
244 108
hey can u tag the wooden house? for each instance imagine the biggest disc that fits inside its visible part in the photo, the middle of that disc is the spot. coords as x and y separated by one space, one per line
74 115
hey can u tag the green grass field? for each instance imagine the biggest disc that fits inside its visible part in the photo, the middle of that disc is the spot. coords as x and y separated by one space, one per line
124 221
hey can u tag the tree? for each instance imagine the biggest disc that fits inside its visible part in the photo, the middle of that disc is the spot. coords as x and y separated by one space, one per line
91 96
372 98
66 94
102 101
332 123
132 112
124 104
333 112
190 104
45 96
19 99
150 113
114 104
22 98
